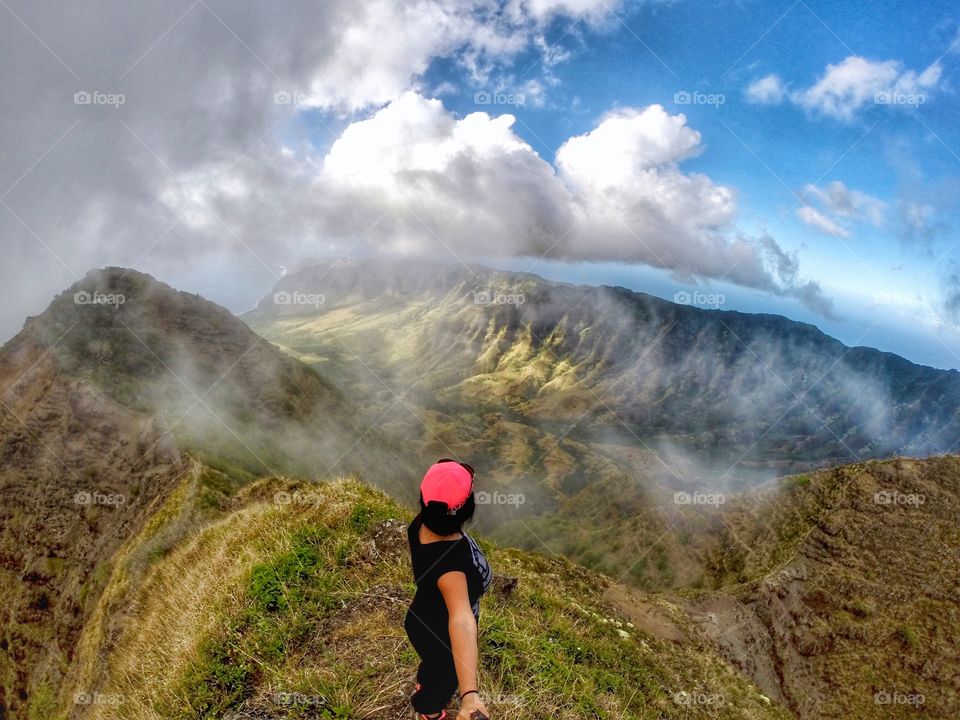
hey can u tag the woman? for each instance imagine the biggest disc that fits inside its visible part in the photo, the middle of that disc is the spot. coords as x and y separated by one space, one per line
451 573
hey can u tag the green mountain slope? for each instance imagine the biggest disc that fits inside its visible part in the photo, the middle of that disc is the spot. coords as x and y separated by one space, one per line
741 393
852 591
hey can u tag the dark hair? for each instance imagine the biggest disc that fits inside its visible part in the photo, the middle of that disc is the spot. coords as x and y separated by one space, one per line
438 519
436 514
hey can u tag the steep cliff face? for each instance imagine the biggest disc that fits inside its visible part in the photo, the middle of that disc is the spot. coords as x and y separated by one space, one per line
851 607
78 474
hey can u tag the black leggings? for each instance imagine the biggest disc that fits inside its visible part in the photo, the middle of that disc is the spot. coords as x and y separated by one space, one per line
437 673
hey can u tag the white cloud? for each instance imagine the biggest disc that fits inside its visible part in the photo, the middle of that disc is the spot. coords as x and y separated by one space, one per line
628 142
856 82
415 179
551 54
375 63
839 208
849 204
594 11
768 90
627 182
815 219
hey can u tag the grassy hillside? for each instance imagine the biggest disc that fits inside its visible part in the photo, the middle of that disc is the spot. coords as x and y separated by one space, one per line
290 605
99 400
831 590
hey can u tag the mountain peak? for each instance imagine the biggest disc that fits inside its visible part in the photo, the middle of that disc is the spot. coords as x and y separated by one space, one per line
173 354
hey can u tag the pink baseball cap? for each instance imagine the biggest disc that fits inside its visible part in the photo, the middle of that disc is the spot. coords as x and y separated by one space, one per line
449 482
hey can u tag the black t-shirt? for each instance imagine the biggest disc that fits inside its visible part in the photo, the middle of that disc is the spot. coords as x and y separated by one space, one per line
432 560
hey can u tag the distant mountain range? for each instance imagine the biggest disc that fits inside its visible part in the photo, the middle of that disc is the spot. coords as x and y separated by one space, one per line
740 394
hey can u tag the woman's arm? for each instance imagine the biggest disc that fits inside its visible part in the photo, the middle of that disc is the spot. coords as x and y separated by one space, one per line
463 639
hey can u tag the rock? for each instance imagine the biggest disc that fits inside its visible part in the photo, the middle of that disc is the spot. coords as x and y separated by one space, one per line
390 536
504 585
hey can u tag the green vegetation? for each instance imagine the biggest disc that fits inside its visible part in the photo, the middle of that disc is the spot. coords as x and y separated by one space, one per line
796 481
860 609
95 582
309 625
287 599
909 636
43 703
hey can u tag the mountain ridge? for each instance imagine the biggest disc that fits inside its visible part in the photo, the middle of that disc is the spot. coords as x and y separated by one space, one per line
348 263
99 401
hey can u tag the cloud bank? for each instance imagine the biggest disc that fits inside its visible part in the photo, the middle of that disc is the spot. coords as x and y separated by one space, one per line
414 178
182 91
162 144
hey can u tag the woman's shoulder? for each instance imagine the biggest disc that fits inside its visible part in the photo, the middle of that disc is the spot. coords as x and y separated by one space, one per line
472 544
478 560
